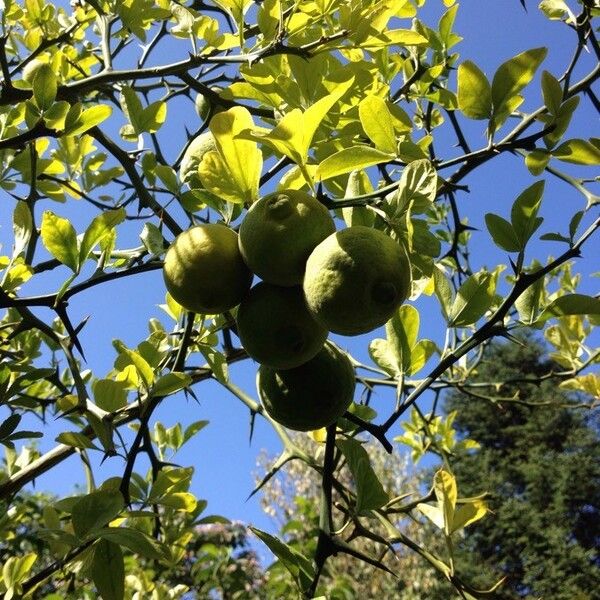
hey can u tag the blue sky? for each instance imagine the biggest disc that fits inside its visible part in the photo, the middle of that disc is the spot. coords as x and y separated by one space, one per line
221 453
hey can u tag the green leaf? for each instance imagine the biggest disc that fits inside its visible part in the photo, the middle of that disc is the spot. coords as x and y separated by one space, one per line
184 501
417 188
44 87
101 226
299 566
108 570
76 440
171 383
376 121
524 213
468 513
135 540
402 331
110 395
502 233
152 238
168 176
60 239
400 37
78 121
9 425
242 156
153 116
536 161
513 75
294 133
420 355
170 481
351 159
443 291
55 116
384 357
370 494
474 92
472 300
132 108
557 10
94 511
561 123
579 152
358 184
433 513
16 569
552 92
527 304
444 485
138 361
22 227
571 304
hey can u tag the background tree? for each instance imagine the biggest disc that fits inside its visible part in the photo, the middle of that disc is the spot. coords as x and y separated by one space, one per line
291 498
540 459
105 109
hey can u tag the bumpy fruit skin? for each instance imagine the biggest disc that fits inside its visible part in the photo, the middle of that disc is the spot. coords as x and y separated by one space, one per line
355 280
280 231
311 396
188 169
204 271
276 328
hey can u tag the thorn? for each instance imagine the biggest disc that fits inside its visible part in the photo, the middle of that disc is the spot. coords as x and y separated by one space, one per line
512 338
191 392
513 265
61 311
252 420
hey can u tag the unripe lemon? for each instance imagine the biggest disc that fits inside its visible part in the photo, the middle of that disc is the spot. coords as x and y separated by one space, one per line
204 104
188 169
355 280
276 328
311 396
204 271
280 231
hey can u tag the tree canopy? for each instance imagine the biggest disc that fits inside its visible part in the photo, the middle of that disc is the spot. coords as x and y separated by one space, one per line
125 123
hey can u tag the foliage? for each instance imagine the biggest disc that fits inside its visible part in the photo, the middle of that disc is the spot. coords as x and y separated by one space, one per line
291 499
540 460
367 106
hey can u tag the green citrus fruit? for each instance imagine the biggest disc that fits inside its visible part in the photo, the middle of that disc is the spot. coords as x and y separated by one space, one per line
355 280
280 231
311 396
276 328
188 169
204 104
204 270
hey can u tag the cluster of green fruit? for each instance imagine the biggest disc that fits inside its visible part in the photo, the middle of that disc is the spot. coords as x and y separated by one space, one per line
315 280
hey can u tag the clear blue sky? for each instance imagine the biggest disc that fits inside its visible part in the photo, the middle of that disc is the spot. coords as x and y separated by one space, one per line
221 454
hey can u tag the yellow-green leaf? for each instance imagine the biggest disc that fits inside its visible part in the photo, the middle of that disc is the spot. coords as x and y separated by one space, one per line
242 156
44 87
474 92
351 159
513 75
444 485
468 513
376 121
579 152
101 226
60 239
